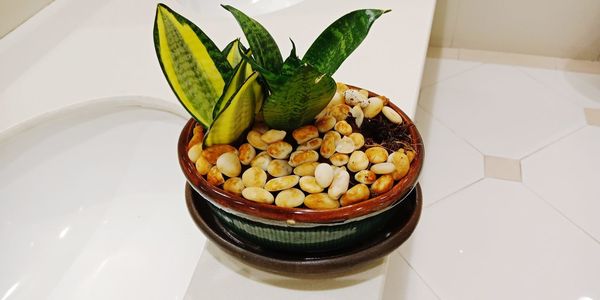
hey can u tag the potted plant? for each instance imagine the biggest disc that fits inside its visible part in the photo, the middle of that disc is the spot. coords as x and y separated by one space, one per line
286 156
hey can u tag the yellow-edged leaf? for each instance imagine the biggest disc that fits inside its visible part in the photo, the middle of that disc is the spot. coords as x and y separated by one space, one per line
195 68
241 72
237 116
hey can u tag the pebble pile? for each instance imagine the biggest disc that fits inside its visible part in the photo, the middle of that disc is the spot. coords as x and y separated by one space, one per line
322 166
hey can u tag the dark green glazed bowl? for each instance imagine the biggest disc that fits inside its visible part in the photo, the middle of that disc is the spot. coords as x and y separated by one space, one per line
301 229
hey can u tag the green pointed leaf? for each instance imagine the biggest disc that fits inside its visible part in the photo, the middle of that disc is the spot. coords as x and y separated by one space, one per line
265 49
237 116
299 99
242 71
194 67
232 52
340 39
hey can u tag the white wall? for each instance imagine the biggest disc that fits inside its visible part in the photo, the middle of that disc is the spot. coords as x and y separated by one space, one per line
15 12
561 28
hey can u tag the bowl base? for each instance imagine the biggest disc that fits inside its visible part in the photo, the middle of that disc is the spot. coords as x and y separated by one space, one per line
391 236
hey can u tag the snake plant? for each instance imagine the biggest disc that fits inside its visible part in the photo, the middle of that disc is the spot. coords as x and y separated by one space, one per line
225 89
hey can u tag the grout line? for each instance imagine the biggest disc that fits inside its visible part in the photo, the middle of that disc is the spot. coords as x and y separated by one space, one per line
451 130
420 277
561 213
478 64
552 89
454 192
558 139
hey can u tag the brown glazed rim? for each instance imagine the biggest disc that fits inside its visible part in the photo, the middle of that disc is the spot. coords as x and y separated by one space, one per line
273 212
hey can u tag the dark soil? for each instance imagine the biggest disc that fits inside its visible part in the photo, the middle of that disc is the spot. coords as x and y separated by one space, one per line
379 131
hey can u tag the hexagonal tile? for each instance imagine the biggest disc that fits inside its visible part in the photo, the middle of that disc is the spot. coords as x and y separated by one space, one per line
450 163
498 240
567 174
501 111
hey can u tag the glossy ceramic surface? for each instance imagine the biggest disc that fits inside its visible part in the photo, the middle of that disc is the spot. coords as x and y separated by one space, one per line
403 220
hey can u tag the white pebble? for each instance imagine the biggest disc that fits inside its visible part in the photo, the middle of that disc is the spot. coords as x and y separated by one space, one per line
324 175
391 115
229 164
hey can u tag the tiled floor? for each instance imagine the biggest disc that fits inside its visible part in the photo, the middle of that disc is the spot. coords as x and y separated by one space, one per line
511 185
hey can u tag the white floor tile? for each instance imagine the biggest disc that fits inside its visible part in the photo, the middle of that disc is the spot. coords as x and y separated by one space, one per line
450 163
582 89
497 240
437 70
402 283
501 110
567 174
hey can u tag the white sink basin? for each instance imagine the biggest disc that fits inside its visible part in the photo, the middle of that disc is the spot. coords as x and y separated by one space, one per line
92 207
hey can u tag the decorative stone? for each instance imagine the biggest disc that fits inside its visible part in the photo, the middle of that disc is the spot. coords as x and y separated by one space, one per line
343 128
339 111
358 139
261 160
329 143
355 194
290 198
279 150
257 194
279 167
303 156
326 123
374 107
320 201
391 115
339 159
324 175
195 152
358 161
229 164
401 165
382 184
312 144
339 185
282 183
202 165
254 177
358 115
213 152
309 184
365 176
306 169
254 139
234 185
272 136
214 176
247 154
305 133
383 168
345 145
376 154
355 97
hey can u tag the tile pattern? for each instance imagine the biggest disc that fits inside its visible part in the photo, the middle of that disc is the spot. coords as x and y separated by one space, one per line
535 234
567 174
498 240
450 162
592 116
501 111
502 168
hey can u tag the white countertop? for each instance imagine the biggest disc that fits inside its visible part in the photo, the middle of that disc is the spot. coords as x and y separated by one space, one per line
73 53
